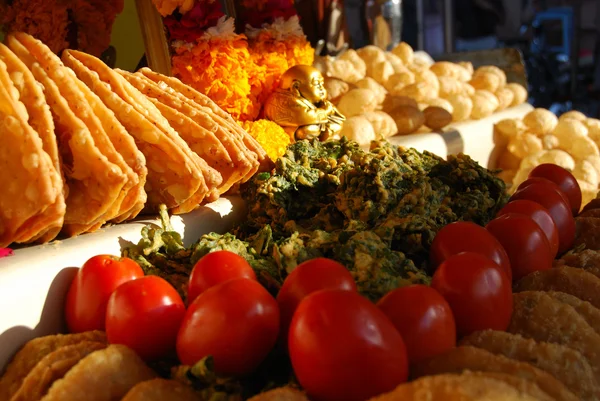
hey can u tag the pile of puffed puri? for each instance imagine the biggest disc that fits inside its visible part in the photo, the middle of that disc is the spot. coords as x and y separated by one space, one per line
83 144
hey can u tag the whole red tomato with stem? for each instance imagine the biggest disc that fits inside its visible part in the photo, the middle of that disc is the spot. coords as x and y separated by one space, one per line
342 347
423 318
215 268
537 213
524 242
85 307
145 315
236 322
549 196
308 277
464 236
564 180
477 290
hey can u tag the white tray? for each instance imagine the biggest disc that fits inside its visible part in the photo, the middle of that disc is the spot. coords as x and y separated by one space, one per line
34 281
474 138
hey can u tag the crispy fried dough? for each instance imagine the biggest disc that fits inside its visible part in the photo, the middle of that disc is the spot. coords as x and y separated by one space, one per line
30 184
565 364
586 310
453 387
173 177
590 213
161 390
53 367
475 359
66 81
105 375
236 150
588 232
577 282
587 259
205 102
33 352
45 226
524 386
94 182
540 317
281 394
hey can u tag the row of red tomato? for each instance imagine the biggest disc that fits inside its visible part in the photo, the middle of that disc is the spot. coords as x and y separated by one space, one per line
342 346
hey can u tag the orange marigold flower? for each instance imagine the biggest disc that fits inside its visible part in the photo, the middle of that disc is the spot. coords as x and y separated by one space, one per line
269 135
167 7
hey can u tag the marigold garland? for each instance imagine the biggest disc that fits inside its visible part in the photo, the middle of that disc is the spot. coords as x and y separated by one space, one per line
167 7
269 135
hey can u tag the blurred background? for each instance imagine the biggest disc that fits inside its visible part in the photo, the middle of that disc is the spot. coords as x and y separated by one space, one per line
558 40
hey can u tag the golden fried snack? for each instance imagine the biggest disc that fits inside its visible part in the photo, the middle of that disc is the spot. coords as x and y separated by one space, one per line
174 176
45 226
281 394
220 115
587 259
586 310
161 390
242 158
577 282
475 359
565 364
109 141
103 375
454 387
31 185
94 182
524 386
590 212
588 232
53 367
33 352
540 317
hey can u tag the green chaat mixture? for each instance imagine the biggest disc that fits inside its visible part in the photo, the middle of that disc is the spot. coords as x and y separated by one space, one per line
375 212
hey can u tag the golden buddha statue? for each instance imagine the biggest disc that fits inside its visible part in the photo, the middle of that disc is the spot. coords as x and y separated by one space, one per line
300 105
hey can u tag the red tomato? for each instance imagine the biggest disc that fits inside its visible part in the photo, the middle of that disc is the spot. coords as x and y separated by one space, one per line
524 242
342 347
236 322
215 268
463 236
477 290
145 315
308 277
423 318
565 181
550 197
537 213
85 308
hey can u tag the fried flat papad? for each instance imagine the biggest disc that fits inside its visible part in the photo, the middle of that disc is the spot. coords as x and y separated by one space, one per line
538 316
455 387
588 232
30 184
577 282
53 367
161 390
221 116
33 352
196 128
586 259
94 182
586 310
44 226
104 375
238 162
281 394
565 364
470 358
66 81
174 176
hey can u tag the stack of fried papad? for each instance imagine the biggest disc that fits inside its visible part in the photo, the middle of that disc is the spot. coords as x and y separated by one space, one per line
83 144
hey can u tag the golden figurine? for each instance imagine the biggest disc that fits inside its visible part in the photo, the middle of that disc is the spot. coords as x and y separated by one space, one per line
300 105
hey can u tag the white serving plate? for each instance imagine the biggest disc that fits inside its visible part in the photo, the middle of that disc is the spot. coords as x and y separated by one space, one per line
474 138
34 281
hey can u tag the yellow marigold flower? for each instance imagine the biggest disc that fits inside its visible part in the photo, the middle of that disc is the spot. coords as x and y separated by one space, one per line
269 135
